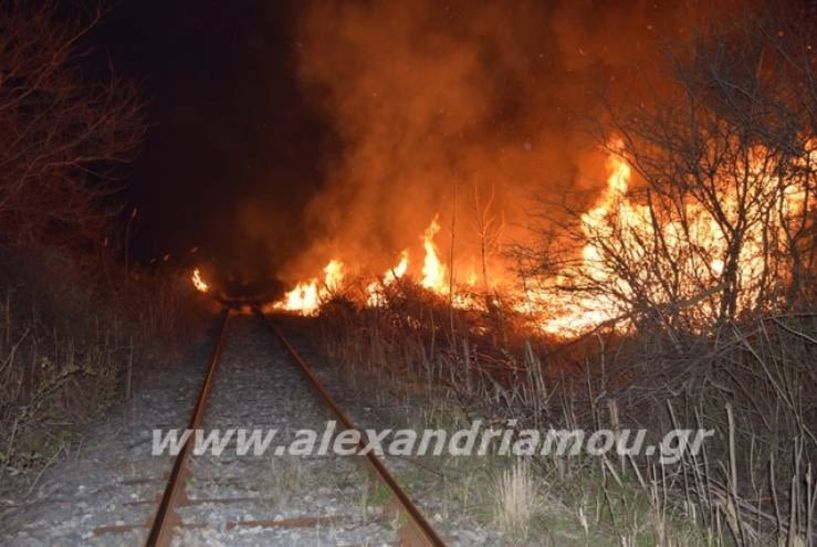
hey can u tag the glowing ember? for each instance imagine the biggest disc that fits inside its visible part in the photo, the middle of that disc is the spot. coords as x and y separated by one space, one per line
433 269
198 282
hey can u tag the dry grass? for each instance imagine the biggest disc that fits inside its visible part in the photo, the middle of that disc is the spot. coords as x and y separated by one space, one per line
73 340
750 381
516 499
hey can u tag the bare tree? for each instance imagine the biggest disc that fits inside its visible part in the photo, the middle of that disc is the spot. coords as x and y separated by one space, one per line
62 131
489 229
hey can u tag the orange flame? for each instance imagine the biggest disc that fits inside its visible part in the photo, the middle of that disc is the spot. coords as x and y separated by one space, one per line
374 290
433 269
398 271
307 297
576 314
333 275
303 298
198 282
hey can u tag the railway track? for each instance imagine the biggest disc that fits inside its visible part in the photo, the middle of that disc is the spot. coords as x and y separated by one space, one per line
234 392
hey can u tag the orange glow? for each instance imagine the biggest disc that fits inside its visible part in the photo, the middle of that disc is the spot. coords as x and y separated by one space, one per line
198 282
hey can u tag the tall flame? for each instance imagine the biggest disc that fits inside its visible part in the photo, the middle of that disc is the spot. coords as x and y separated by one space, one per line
433 269
333 275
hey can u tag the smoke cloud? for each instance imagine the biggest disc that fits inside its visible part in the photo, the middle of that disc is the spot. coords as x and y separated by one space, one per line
439 106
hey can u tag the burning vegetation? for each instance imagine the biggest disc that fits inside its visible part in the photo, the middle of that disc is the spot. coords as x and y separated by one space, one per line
662 250
671 286
684 201
560 215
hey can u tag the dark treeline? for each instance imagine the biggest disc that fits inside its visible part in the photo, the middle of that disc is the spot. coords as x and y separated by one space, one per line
76 324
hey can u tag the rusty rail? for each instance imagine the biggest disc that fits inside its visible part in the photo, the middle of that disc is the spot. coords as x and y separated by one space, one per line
165 518
421 532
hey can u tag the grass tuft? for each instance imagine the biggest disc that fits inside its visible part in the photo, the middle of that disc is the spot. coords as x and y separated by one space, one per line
516 499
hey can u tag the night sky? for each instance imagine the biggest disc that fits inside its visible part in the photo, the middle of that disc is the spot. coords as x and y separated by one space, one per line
230 128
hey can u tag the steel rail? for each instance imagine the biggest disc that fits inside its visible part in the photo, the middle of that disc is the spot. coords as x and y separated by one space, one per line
420 525
162 524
